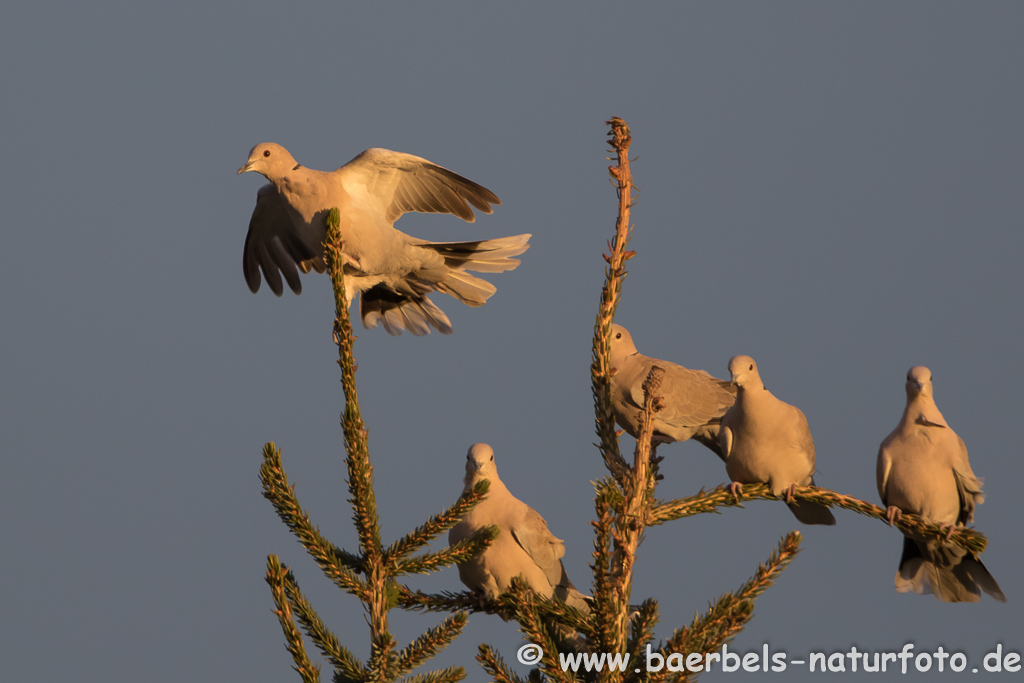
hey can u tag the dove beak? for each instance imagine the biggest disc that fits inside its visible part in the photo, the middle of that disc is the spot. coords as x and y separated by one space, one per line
247 167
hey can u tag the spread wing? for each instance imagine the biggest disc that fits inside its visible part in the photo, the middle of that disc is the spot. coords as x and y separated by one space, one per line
273 246
395 183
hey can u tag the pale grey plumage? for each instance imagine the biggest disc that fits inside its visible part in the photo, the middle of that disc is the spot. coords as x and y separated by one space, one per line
391 271
694 401
923 469
765 440
524 547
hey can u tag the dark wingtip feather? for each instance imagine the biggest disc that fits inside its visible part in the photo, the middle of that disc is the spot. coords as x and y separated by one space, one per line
270 271
250 269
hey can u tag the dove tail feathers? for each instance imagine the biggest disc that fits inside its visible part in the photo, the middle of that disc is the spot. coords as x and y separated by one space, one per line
949 572
983 579
812 513
403 304
482 256
397 311
487 256
467 288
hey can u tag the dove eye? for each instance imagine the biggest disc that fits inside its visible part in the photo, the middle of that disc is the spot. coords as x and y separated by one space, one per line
266 152
751 367
618 335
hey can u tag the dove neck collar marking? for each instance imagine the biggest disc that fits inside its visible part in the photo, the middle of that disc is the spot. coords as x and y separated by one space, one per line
923 411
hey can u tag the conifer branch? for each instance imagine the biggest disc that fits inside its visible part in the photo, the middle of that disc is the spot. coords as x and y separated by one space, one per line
532 624
460 552
495 666
607 496
430 643
337 565
769 572
449 674
731 612
437 524
504 606
276 573
360 472
642 628
707 501
632 518
360 482
447 601
382 657
600 369
342 659
623 504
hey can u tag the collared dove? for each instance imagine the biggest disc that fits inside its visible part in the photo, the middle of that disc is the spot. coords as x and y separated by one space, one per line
923 469
694 401
524 547
765 440
391 271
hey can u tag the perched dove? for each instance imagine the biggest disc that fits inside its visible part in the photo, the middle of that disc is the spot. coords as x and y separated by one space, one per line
525 545
765 440
694 401
923 469
391 271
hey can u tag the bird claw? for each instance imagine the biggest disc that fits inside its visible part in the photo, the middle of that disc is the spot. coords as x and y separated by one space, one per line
789 493
735 489
351 261
949 531
893 514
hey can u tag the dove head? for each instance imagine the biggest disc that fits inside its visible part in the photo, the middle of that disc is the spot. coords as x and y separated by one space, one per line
743 371
480 464
621 344
270 159
919 381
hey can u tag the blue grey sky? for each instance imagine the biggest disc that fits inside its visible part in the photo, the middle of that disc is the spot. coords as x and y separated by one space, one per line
832 188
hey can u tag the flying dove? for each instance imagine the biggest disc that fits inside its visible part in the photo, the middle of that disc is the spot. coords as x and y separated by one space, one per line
524 547
923 469
694 401
765 440
391 271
